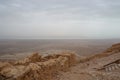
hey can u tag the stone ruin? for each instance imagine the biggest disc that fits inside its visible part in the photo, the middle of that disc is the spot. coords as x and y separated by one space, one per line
37 67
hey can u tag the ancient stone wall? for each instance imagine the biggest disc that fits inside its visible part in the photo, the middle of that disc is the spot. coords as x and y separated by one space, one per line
36 67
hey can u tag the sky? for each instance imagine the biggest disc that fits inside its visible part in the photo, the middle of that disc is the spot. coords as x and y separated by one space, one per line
74 19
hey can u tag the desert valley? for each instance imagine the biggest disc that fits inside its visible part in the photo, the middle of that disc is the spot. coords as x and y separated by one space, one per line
64 60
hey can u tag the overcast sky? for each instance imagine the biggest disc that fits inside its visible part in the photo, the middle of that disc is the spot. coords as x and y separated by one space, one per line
38 19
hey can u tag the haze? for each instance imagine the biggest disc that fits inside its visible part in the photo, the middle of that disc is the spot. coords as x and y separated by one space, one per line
38 19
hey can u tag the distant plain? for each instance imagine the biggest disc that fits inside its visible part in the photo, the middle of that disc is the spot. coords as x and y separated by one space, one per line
19 48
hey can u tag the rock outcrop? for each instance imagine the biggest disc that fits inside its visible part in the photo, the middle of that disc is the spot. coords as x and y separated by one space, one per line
37 67
114 48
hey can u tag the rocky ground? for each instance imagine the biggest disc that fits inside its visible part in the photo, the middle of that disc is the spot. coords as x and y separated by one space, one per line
64 66
104 66
94 70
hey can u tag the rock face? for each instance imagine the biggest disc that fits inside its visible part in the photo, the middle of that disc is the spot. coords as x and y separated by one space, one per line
103 66
36 67
30 59
111 66
114 48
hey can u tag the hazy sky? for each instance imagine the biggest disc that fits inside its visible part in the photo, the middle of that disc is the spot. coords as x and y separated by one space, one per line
59 19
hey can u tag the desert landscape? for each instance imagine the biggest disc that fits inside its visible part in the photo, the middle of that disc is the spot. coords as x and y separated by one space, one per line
61 60
17 49
59 39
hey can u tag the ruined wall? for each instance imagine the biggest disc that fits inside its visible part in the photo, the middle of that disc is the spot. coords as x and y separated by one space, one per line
36 67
